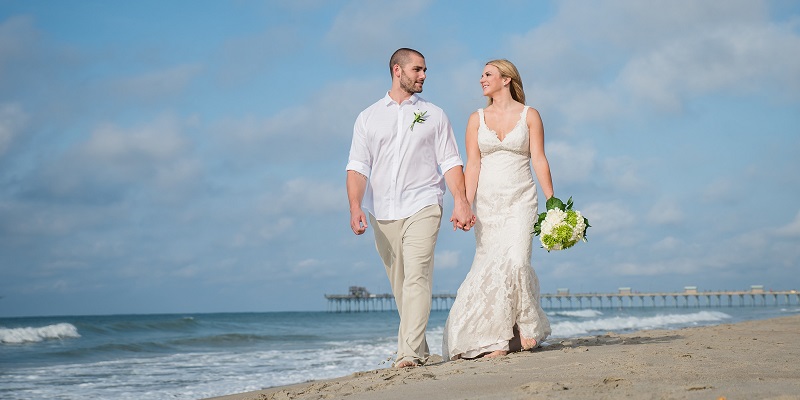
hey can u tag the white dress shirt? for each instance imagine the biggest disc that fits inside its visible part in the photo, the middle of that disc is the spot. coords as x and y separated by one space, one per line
404 166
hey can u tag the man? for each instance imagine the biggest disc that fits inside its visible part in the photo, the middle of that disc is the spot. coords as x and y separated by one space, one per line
400 145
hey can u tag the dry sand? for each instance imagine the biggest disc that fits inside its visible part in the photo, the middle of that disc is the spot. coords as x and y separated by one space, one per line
749 360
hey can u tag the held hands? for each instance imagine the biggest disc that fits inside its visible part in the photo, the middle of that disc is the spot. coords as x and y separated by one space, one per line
463 218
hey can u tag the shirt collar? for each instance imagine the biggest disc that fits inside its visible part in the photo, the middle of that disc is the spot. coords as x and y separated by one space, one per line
388 100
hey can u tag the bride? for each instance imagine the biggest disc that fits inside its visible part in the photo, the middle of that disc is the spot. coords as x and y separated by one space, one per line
497 307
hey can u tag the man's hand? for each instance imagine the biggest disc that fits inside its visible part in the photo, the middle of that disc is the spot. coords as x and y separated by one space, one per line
463 218
358 221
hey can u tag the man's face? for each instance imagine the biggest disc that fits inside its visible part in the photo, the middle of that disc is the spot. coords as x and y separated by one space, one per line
412 75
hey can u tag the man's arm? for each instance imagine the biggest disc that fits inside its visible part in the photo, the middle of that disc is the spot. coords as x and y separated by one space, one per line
356 186
462 213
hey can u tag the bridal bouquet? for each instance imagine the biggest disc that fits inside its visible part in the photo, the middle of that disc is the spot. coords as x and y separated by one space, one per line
560 227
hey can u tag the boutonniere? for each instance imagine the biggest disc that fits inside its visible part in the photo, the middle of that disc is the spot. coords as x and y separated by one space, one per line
419 117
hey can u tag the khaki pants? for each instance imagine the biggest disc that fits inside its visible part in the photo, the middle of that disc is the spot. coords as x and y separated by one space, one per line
406 247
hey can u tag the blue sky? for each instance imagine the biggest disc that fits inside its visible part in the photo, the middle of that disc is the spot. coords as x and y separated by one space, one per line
188 156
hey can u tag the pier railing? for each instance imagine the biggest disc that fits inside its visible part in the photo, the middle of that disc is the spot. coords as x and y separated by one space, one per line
671 299
363 301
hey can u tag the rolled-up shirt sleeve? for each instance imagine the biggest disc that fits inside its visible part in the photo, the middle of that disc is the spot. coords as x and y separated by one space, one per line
447 155
360 159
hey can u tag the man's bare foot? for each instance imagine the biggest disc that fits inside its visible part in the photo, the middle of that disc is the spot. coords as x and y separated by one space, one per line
497 353
405 364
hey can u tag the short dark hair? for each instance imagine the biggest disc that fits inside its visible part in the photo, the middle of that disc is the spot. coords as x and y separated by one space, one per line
400 57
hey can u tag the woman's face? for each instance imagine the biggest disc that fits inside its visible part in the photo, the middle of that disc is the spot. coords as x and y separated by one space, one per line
491 81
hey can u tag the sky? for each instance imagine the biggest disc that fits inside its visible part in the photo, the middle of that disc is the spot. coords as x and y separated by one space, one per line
189 156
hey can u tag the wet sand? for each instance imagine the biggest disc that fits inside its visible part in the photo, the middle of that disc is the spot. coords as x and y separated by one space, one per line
748 360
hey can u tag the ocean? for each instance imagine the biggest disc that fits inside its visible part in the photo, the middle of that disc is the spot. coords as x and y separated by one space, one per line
195 356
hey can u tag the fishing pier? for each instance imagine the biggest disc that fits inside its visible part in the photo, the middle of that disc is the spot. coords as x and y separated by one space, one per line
359 299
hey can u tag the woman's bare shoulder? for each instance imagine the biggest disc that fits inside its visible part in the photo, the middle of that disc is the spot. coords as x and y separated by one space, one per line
473 117
533 111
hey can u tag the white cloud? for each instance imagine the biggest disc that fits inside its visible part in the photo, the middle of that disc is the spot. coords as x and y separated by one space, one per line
598 69
727 58
791 229
35 71
671 266
272 229
623 173
364 29
607 218
12 120
189 271
318 130
305 196
241 58
570 163
181 171
722 190
17 38
152 159
161 140
155 85
668 243
156 156
665 212
306 266
254 232
446 259
461 90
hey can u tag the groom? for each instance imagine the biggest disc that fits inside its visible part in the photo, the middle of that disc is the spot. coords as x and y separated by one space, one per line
400 145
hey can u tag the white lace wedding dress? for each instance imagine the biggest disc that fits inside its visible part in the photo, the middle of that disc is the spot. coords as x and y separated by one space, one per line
501 289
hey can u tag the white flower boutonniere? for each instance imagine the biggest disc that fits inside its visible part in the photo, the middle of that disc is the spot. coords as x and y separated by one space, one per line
419 117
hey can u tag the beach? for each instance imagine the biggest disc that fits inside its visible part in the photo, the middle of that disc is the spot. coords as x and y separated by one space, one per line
745 360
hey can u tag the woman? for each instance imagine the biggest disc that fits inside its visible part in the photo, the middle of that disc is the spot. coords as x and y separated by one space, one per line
497 307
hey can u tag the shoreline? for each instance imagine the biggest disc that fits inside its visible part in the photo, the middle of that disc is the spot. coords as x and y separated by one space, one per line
750 359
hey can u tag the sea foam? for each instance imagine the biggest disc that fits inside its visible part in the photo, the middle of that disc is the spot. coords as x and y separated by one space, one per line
587 313
616 324
32 335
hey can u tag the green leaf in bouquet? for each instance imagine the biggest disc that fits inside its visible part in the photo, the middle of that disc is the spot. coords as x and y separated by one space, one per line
569 204
554 202
537 227
585 221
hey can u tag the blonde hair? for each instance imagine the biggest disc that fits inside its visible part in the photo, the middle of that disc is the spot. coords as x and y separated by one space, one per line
508 70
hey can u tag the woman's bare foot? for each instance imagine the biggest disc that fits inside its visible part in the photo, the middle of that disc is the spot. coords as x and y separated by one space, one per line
497 353
405 364
519 343
527 344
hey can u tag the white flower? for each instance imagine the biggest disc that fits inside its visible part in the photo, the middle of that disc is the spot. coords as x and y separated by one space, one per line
554 218
561 226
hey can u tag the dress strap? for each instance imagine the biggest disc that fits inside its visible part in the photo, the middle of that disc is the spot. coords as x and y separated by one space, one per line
523 115
482 120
